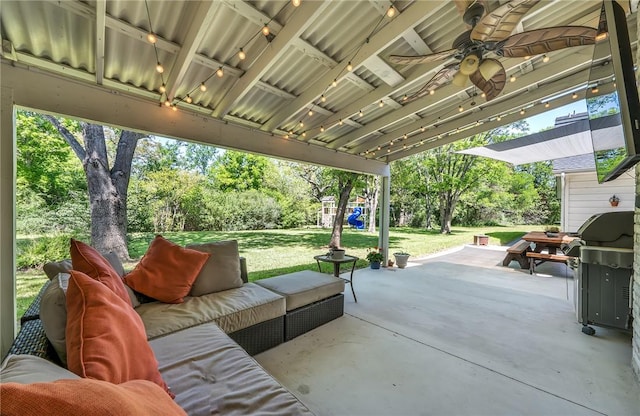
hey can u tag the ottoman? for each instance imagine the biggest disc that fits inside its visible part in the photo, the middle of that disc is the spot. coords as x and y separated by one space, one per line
312 299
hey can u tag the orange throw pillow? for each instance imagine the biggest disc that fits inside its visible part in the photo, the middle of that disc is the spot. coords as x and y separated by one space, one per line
167 271
106 339
89 261
86 397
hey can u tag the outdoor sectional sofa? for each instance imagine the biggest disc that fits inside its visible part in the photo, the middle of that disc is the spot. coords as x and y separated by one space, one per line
203 344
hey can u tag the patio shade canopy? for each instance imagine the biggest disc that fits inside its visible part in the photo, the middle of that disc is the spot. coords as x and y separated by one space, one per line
557 143
319 88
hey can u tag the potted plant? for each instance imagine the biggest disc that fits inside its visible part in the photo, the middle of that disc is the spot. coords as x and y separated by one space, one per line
614 200
375 258
402 258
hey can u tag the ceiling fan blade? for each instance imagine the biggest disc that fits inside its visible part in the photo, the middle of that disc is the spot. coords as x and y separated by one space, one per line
493 86
535 42
498 24
421 59
440 78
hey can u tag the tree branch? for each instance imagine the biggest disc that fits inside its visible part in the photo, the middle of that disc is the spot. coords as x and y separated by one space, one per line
68 137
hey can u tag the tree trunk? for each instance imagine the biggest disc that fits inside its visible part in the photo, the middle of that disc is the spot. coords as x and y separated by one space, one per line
107 187
341 210
373 204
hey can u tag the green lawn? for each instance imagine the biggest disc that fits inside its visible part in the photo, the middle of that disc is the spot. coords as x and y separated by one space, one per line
274 252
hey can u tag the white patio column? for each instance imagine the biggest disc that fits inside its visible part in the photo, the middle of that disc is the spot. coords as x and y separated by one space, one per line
7 222
383 236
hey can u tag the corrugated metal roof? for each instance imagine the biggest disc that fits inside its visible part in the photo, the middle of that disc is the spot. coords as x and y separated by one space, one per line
285 75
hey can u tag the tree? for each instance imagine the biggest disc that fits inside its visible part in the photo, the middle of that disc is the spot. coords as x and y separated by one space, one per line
238 171
345 183
106 186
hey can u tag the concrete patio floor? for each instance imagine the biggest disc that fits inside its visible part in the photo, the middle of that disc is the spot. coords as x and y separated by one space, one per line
458 334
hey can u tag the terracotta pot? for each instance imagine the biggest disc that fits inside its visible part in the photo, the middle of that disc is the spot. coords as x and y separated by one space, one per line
614 203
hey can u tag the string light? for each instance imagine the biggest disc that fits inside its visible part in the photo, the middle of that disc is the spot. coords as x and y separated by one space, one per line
483 95
321 129
335 82
152 38
203 87
301 124
431 92
163 88
381 104
349 67
512 79
265 30
379 148
220 72
242 55
167 103
405 98
391 11
546 105
304 134
574 95
188 99
360 113
522 111
323 98
340 122
159 68
499 118
295 3
545 59
404 136
527 57
174 108
460 109
391 143
310 113
594 89
422 129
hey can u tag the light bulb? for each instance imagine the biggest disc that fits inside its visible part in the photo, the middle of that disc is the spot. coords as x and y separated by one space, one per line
295 3
159 68
422 129
594 90
321 129
522 112
391 143
405 98
388 150
174 108
310 113
546 105
460 109
335 82
391 11
512 79
301 123
152 38
349 67
188 99
163 88
575 95
431 92
203 87
286 136
381 104
379 148
323 98
220 72
265 30
545 59
304 134
360 113
404 136
167 103
340 122
404 146
498 118
527 57
242 55
483 95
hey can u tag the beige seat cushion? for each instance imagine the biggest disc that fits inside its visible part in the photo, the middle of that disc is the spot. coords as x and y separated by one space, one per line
26 369
304 287
211 375
222 269
232 310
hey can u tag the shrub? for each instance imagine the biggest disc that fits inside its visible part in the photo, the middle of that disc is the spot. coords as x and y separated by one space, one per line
37 251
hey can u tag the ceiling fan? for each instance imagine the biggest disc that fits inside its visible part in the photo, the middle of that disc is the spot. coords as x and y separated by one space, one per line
490 33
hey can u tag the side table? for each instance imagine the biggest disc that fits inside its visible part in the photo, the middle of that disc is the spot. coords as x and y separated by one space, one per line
336 268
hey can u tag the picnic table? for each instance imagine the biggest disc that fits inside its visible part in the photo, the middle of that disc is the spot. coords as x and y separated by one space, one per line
540 241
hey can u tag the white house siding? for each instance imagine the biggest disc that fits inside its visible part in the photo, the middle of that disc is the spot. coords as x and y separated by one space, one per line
583 197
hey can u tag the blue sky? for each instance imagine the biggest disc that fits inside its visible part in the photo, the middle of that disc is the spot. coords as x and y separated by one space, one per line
545 120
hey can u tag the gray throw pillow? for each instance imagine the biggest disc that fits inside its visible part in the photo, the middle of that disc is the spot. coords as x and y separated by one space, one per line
222 269
53 314
26 369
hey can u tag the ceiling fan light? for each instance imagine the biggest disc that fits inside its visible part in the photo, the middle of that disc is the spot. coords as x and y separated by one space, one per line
459 80
488 68
469 65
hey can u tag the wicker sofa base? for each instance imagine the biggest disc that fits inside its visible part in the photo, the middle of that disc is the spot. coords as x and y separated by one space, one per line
306 318
260 337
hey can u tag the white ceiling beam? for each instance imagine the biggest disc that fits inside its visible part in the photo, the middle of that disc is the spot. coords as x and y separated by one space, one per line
383 70
254 15
302 18
415 41
359 82
275 91
101 13
314 53
64 96
198 27
410 17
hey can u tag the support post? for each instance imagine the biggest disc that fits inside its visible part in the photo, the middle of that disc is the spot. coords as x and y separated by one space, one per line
383 233
7 222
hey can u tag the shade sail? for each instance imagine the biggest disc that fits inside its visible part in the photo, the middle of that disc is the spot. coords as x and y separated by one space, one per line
560 142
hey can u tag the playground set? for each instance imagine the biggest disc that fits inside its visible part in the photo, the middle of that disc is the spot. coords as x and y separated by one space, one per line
356 213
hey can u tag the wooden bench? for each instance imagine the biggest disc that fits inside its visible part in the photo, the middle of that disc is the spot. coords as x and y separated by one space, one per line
542 257
518 252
